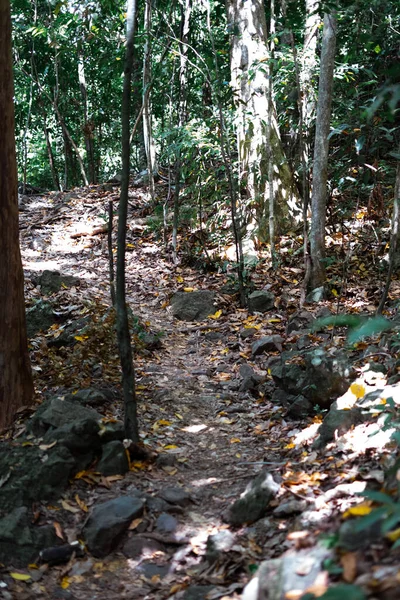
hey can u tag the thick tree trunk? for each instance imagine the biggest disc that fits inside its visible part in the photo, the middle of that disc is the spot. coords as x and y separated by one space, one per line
321 148
249 70
123 334
147 117
16 387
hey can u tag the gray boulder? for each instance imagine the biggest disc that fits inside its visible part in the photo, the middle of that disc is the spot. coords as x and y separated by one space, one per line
337 421
20 541
57 412
113 459
107 523
254 502
39 317
193 306
51 281
261 301
268 343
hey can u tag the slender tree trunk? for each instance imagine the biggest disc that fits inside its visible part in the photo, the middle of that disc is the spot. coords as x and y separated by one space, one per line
321 148
182 116
147 121
123 334
54 174
394 240
16 386
25 138
271 191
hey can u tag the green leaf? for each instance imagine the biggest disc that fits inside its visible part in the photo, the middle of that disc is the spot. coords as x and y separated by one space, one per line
372 326
344 591
379 497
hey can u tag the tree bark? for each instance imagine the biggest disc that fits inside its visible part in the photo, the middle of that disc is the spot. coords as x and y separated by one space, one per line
123 334
16 386
186 10
147 116
321 148
249 80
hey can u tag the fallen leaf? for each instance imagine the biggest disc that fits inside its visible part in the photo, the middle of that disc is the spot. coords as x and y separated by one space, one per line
215 315
81 503
135 523
20 576
58 529
67 506
358 511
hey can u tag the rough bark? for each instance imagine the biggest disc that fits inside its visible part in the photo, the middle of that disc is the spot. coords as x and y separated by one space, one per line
321 148
394 240
249 81
147 121
123 334
186 10
16 387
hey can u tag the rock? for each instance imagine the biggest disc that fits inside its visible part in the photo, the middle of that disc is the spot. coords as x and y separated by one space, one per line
137 547
39 318
269 343
112 431
90 397
68 334
298 321
251 379
150 569
151 341
114 460
79 437
175 495
287 509
213 336
166 523
20 541
51 282
352 539
261 301
254 502
57 412
316 295
295 570
197 592
300 408
247 332
218 544
193 306
108 521
337 421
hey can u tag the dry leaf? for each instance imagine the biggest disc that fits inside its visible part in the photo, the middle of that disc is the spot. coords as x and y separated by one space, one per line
349 564
58 529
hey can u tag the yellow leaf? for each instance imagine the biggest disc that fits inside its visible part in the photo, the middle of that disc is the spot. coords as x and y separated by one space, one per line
135 523
178 416
65 583
81 338
358 511
20 576
188 289
394 535
58 529
67 506
238 455
274 320
130 246
27 444
81 503
179 279
215 315
235 441
170 470
170 447
164 422
357 390
334 292
290 446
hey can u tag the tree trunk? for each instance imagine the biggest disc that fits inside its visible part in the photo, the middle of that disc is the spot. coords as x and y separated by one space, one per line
16 386
321 148
249 70
123 334
394 240
54 174
88 126
147 124
186 10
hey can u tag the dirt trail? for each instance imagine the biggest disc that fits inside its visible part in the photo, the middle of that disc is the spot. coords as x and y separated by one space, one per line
190 411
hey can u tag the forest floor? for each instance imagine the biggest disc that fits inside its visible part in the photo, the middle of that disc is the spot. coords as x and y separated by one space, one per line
209 438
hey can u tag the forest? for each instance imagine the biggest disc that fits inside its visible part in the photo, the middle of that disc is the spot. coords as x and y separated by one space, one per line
199 326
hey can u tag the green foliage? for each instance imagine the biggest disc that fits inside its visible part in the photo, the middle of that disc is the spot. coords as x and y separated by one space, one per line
339 592
360 327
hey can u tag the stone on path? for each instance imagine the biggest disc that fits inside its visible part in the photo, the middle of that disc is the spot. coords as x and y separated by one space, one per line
107 523
193 306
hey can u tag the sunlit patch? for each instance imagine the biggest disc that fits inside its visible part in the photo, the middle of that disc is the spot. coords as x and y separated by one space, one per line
306 434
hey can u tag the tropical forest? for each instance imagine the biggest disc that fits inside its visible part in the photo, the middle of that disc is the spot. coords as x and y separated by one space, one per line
199 300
